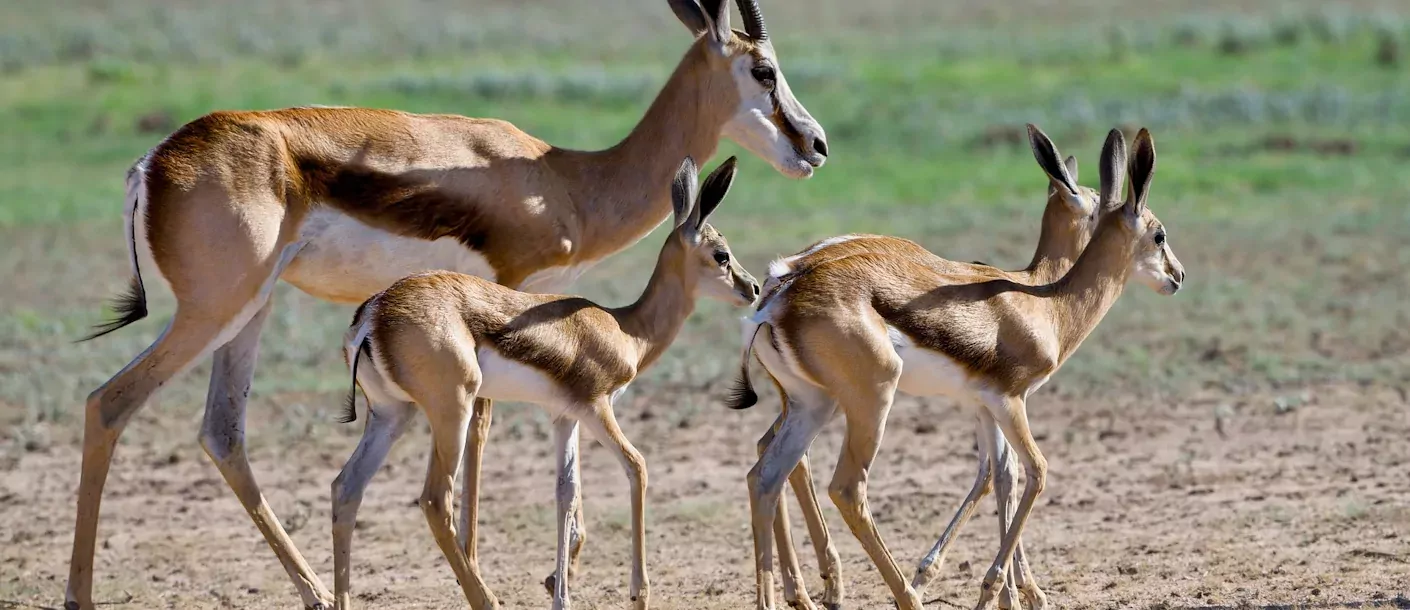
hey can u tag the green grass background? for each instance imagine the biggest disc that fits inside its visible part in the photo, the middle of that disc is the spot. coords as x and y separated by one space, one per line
1283 132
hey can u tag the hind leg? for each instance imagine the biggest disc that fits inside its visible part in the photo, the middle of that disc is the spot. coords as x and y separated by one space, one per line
795 594
385 424
186 340
223 438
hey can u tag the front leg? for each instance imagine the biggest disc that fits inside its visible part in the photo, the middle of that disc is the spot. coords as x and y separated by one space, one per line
478 436
569 493
1011 415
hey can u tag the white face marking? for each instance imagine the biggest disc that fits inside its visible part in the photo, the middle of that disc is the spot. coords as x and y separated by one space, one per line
1152 267
752 125
349 261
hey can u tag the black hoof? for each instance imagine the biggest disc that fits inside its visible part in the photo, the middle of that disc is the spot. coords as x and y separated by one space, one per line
70 605
551 583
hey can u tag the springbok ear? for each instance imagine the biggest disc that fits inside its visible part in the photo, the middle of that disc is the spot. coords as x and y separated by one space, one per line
1071 164
683 191
690 14
1046 155
1113 169
716 14
1142 169
714 189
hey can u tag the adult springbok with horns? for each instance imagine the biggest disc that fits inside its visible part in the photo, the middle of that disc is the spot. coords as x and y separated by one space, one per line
341 202
1069 217
851 331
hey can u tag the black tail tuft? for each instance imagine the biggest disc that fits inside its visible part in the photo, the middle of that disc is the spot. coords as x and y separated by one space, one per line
129 306
741 394
350 403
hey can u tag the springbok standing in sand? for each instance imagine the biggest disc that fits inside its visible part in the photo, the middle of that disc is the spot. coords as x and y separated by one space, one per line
439 340
851 331
341 202
1068 220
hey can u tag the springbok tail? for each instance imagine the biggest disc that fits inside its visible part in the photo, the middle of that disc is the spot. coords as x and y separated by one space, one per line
360 344
131 305
741 393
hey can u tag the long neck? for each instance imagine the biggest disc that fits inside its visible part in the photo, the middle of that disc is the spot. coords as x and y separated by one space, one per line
622 193
1060 242
1083 296
655 319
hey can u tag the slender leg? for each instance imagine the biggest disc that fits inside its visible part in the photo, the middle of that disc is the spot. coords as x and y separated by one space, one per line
385 424
603 426
186 340
794 592
829 562
577 531
801 425
449 417
223 439
865 425
566 442
930 565
470 486
1009 412
1005 484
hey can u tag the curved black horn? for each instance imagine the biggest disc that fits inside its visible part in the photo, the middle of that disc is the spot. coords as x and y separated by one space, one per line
753 20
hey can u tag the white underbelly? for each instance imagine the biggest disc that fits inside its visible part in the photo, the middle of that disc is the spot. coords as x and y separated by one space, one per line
346 260
509 380
926 372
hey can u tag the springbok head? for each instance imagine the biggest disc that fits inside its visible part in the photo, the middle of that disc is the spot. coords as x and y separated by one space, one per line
768 120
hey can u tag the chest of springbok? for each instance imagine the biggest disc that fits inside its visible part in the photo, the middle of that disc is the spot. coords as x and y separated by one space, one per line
439 340
341 202
847 333
1068 219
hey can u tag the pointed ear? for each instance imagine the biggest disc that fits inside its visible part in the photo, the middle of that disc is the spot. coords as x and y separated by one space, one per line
1142 169
690 14
717 21
1113 169
1071 165
683 191
1060 182
714 189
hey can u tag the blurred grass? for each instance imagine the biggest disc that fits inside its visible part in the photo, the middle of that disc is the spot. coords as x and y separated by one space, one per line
1283 130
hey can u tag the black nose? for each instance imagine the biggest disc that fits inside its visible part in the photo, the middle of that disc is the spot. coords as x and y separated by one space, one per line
756 289
820 146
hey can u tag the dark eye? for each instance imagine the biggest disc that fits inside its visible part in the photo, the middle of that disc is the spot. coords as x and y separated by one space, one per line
765 76
722 257
1160 238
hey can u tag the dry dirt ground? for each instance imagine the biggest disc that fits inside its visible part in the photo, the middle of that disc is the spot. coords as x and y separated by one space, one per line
1208 500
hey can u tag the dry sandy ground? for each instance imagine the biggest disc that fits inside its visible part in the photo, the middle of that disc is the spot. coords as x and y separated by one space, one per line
1209 500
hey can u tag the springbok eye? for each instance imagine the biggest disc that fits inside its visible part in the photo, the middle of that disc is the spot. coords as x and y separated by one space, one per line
765 75
1159 238
722 257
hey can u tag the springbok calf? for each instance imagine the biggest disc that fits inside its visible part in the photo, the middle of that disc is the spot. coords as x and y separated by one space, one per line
341 202
1068 220
851 331
440 340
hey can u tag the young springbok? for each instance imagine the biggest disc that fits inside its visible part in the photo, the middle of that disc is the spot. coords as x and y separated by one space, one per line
851 331
1068 220
341 202
439 340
